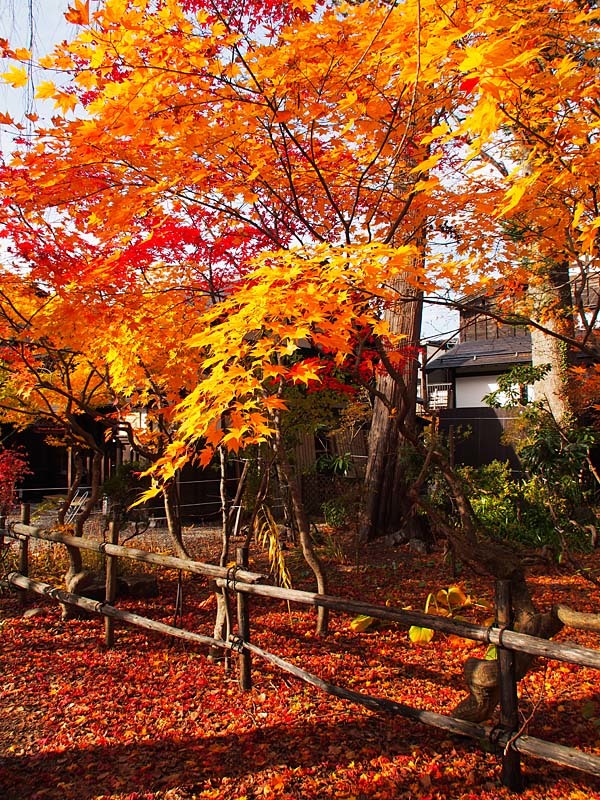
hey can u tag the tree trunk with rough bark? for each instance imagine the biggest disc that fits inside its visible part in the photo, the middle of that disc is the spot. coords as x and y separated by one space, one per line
385 508
552 308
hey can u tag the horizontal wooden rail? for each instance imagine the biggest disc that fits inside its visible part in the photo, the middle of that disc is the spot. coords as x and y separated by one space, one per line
451 724
561 651
524 744
188 565
566 756
457 726
246 583
558 753
528 745
105 609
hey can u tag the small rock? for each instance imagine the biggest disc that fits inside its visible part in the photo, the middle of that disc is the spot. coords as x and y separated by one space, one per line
417 546
395 539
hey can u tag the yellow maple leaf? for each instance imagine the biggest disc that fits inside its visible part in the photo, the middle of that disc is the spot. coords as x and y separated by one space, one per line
15 76
45 89
348 100
429 163
65 101
114 10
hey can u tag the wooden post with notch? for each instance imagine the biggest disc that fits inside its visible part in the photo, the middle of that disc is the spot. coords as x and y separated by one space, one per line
24 549
111 584
511 774
243 616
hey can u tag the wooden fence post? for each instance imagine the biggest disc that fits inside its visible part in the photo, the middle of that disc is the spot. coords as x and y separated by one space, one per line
244 625
24 550
111 584
511 774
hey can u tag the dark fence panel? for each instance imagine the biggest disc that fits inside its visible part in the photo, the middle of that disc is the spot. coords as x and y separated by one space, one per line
476 434
319 489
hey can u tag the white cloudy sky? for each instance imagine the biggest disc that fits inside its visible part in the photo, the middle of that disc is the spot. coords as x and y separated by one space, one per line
23 22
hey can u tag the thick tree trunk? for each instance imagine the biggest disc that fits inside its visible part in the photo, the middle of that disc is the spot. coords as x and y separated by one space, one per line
385 506
552 308
500 561
481 675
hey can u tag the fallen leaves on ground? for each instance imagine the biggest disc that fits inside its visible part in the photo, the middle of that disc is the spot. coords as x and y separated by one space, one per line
154 719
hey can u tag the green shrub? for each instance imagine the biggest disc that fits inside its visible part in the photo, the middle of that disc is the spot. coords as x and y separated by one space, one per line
522 510
335 512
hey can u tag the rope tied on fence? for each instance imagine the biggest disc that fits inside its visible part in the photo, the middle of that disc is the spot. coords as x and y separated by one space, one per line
236 643
497 629
231 579
494 736
501 629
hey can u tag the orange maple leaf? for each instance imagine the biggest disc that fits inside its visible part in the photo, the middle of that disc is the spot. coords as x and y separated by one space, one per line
206 456
79 14
213 434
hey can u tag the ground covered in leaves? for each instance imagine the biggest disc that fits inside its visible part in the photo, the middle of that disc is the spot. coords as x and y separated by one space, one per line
153 719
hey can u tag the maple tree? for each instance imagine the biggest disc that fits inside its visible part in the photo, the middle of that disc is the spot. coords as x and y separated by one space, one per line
271 111
535 124
14 467
320 137
42 376
148 368
65 373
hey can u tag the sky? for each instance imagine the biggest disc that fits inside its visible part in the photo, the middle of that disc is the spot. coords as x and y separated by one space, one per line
17 18
42 23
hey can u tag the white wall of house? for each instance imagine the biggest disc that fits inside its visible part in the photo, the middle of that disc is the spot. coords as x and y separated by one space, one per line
470 390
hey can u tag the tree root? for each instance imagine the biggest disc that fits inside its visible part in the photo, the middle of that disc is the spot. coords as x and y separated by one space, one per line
482 676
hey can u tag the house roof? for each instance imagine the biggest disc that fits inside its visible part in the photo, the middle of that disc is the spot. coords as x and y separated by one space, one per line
484 354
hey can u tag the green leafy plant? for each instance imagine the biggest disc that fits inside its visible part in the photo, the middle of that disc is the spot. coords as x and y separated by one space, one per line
335 463
513 385
527 510
542 507
335 512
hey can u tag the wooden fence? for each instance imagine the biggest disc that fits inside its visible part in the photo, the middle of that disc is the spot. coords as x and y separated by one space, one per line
505 739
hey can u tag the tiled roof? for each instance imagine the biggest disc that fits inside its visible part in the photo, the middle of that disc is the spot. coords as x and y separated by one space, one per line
501 352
